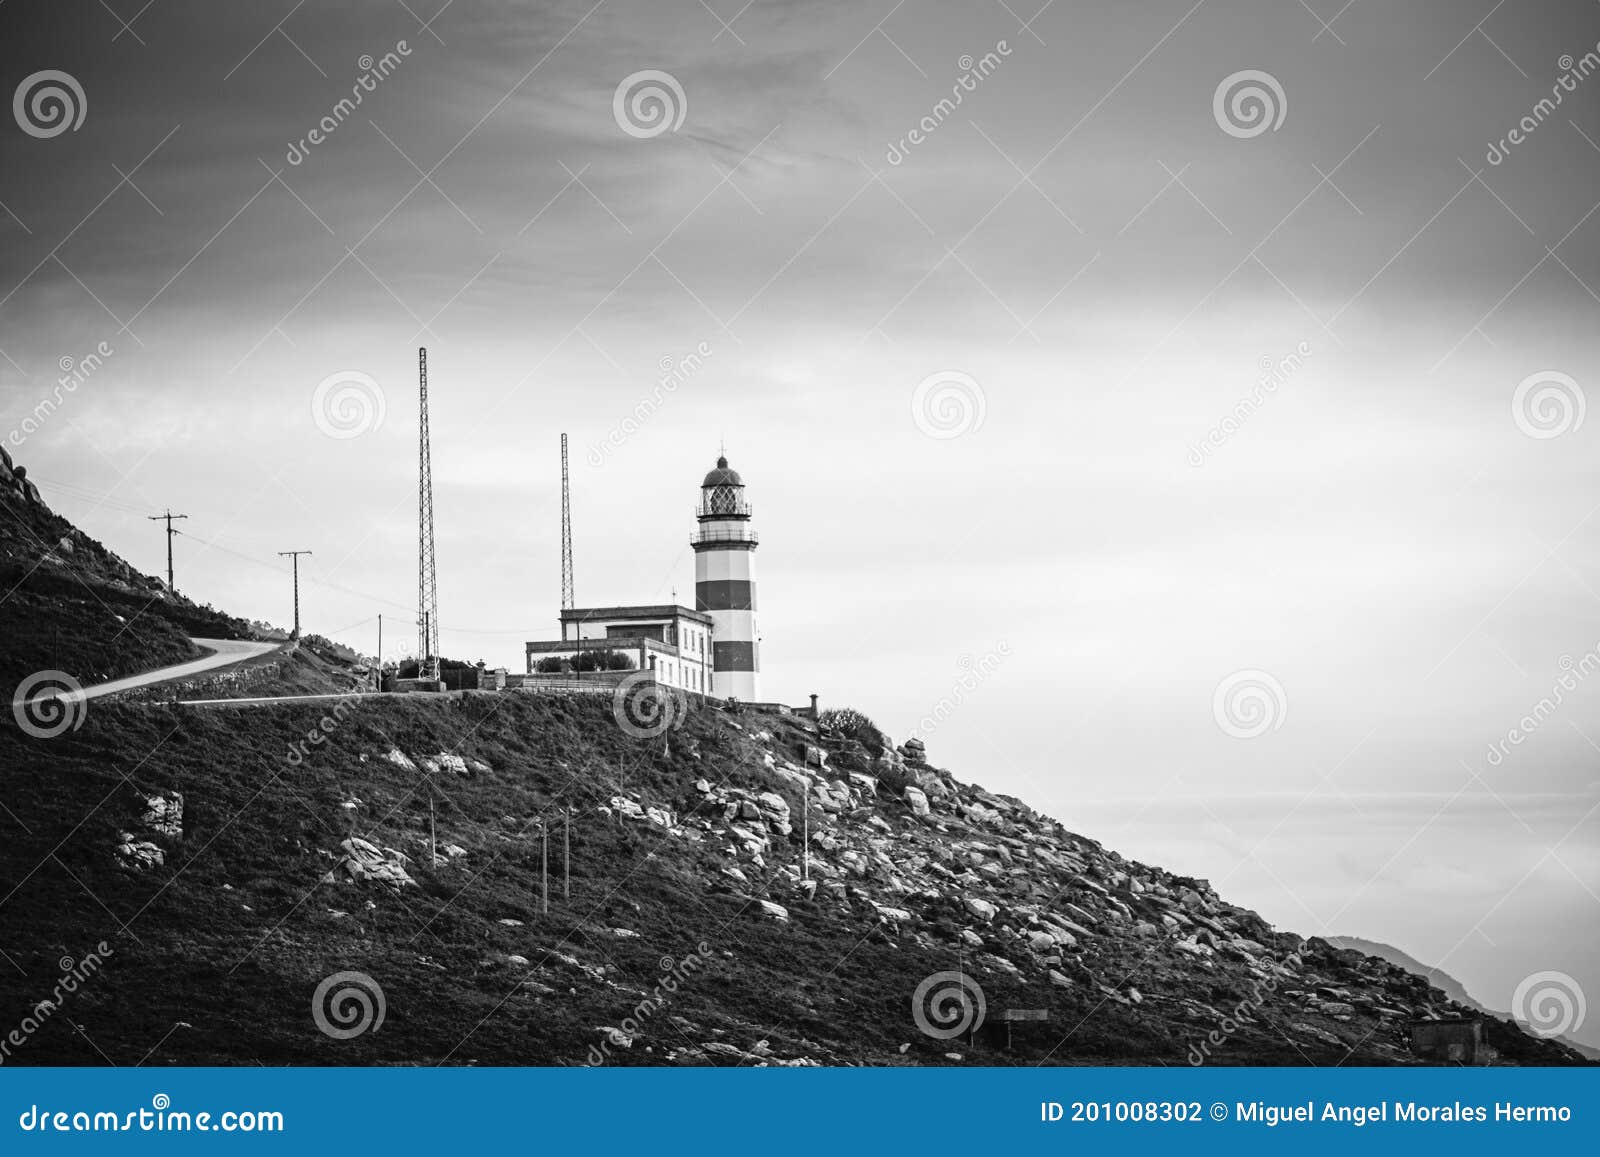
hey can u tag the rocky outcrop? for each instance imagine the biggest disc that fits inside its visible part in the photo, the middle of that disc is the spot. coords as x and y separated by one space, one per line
162 817
365 862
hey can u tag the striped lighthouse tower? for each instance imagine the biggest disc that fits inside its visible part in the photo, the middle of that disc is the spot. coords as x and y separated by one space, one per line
725 584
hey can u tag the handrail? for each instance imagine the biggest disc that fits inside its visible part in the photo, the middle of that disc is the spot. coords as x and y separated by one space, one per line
741 535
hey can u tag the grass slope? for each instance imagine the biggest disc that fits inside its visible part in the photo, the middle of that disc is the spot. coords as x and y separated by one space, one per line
69 604
216 954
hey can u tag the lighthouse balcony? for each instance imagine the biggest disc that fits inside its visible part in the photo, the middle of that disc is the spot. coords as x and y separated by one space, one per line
713 537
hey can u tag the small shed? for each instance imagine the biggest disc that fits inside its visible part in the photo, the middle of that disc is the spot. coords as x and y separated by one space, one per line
1451 1041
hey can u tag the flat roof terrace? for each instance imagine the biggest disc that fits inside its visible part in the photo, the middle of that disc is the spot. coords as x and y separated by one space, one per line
659 611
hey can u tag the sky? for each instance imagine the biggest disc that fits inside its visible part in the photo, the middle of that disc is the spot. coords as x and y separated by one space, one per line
1210 473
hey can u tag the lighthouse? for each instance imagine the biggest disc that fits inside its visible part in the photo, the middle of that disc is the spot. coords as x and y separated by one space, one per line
725 584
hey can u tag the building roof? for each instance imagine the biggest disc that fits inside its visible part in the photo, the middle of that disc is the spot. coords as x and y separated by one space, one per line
618 643
723 476
654 611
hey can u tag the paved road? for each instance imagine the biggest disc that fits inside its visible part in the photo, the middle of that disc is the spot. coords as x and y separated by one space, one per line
262 700
227 651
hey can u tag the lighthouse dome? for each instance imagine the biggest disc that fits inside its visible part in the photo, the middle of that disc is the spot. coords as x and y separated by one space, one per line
723 476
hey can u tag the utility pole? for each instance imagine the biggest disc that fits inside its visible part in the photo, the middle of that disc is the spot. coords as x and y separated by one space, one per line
544 865
379 686
805 838
294 556
566 854
168 517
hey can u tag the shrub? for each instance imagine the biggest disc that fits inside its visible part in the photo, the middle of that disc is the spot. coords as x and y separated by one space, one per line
602 660
853 724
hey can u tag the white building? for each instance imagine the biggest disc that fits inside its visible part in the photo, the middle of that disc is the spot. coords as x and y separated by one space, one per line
672 642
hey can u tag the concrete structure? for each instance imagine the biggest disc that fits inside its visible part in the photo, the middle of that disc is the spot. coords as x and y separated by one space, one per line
1458 1040
725 583
672 642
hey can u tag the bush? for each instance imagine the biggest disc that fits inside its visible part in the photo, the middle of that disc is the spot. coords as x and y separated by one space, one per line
853 724
605 660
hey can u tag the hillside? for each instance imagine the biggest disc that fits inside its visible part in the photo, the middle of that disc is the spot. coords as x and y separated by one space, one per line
217 869
69 604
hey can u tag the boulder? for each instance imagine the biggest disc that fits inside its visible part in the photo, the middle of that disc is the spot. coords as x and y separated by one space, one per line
139 855
364 861
164 814
917 800
399 758
626 807
444 761
982 909
776 911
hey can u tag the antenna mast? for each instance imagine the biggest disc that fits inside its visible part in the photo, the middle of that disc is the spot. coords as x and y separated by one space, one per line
566 532
427 578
